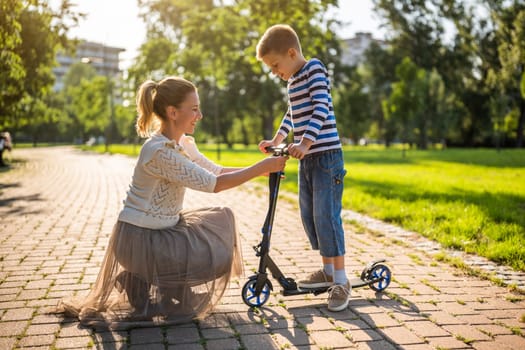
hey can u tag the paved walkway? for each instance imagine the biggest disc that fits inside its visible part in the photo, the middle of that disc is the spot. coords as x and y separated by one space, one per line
58 206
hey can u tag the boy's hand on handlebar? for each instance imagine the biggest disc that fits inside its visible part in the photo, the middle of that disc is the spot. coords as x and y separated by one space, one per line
297 150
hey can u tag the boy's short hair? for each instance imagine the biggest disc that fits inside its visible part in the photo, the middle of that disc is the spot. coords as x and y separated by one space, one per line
277 39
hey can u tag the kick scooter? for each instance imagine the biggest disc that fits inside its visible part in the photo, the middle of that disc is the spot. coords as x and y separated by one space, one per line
256 291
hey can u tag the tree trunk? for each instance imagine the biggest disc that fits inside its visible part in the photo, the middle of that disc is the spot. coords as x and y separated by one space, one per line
521 121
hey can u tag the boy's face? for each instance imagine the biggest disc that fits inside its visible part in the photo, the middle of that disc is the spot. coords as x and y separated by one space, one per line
282 65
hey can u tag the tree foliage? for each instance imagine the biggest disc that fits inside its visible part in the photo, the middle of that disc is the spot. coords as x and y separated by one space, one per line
477 49
32 33
451 72
12 71
219 57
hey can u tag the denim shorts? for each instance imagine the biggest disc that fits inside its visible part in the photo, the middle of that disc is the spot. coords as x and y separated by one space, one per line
321 185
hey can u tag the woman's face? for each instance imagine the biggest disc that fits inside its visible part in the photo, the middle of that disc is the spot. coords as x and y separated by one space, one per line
188 113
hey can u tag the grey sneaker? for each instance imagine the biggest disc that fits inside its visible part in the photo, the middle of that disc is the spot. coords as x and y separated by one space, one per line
317 279
338 296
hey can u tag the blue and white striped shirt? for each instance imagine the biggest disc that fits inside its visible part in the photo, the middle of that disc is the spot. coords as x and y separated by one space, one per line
310 110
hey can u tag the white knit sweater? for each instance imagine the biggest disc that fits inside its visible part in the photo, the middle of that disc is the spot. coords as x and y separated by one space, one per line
164 169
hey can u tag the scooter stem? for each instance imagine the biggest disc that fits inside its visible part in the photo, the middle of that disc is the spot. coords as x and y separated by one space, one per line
273 183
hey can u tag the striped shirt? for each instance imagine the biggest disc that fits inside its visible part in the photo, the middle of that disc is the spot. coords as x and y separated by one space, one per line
310 111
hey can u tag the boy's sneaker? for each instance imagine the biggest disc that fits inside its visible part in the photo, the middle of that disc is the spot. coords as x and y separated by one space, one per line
338 296
317 279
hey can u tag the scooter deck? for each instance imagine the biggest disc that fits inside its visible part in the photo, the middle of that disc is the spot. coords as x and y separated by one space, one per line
354 282
357 282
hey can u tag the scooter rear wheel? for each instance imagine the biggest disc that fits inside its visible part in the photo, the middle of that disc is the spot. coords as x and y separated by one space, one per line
251 298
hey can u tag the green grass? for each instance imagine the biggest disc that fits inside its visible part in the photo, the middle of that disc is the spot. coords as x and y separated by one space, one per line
467 199
473 200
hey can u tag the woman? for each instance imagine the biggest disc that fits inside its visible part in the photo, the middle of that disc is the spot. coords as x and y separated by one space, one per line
164 264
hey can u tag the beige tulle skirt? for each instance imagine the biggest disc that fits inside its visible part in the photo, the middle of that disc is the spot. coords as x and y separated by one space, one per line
150 277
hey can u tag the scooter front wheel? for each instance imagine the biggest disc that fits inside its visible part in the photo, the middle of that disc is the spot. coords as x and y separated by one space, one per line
382 274
251 297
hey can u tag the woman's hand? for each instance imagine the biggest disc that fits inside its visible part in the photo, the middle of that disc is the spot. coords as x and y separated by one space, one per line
274 164
267 165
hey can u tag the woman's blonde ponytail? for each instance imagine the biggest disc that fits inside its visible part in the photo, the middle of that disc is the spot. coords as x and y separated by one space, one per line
147 121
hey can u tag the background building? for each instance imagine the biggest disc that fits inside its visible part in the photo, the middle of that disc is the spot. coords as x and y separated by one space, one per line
353 49
105 60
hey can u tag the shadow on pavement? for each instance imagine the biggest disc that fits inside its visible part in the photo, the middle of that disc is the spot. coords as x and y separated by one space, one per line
16 204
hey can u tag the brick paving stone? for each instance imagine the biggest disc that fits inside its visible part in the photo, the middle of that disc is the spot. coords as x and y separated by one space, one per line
425 328
447 343
352 324
10 305
291 336
279 322
7 342
493 329
148 346
74 330
32 294
380 320
214 320
417 347
331 338
489 345
73 342
475 319
37 340
466 332
376 345
110 337
315 323
442 318
54 244
182 335
258 341
217 333
43 347
48 301
221 344
401 335
19 314
364 335
513 341
253 328
39 329
145 336
346 314
185 347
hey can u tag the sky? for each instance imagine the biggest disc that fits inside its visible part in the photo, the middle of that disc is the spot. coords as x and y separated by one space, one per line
116 23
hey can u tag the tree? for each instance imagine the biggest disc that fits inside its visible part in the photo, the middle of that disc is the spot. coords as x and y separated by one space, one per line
90 105
405 102
478 33
506 77
352 106
77 73
12 70
378 73
220 56
32 32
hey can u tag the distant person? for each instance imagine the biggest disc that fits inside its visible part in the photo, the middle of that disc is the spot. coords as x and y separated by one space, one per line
5 144
164 263
316 144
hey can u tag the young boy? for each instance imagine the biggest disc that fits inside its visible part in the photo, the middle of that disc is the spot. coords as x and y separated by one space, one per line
316 144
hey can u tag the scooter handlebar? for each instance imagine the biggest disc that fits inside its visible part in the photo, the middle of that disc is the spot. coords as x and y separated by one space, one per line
281 150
